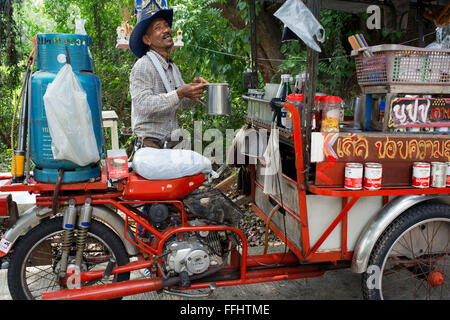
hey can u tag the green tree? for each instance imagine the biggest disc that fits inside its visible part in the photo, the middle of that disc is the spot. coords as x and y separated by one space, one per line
216 34
213 49
10 74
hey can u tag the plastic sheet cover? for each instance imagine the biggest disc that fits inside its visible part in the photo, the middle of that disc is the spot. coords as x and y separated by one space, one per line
69 119
299 19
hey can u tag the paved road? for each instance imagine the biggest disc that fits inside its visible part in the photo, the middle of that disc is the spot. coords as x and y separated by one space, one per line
333 285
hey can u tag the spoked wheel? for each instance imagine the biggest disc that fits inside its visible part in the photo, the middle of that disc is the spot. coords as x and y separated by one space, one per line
411 258
35 263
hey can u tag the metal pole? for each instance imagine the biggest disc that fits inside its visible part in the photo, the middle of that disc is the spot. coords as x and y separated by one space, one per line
312 59
254 77
419 19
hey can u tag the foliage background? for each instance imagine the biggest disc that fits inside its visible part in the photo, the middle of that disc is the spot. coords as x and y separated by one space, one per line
214 48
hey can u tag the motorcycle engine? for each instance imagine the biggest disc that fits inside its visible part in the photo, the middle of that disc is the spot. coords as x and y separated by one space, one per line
190 256
198 250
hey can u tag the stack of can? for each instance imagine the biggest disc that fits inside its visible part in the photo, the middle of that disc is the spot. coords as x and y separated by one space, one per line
373 174
436 174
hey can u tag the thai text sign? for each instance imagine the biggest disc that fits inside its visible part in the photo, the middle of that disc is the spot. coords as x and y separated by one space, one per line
346 147
420 112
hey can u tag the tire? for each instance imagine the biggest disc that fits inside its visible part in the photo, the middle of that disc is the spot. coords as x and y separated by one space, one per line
41 249
410 260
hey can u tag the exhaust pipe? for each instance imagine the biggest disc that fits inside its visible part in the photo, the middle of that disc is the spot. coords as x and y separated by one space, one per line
120 289
105 291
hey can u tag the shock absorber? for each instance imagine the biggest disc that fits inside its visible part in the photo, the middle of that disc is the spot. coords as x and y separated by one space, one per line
69 220
83 226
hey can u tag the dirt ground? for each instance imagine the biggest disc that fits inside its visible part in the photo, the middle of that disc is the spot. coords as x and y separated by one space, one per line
333 285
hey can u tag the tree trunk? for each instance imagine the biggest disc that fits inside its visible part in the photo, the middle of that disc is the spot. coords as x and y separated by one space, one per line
268 31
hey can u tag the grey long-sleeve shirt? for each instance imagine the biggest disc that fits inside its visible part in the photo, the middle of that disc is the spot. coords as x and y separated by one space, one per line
153 109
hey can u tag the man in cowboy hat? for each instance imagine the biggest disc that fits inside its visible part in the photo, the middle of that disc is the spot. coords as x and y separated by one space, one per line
156 86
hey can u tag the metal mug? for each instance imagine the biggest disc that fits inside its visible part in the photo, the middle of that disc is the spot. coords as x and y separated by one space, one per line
218 99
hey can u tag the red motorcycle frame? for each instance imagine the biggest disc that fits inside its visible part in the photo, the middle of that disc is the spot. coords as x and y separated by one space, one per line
242 267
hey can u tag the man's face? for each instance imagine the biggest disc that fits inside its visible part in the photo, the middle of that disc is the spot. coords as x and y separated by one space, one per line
158 35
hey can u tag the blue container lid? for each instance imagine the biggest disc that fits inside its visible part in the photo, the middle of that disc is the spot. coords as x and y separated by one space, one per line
52 51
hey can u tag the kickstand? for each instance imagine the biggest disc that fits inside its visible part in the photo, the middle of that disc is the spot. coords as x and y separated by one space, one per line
212 287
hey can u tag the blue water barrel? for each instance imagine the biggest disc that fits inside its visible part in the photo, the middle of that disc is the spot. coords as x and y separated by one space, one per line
51 57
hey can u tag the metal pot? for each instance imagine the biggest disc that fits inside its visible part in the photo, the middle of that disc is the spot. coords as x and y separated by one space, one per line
218 99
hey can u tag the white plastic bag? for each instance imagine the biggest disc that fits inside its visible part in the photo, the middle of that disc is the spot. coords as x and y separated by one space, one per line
166 164
272 170
297 17
69 119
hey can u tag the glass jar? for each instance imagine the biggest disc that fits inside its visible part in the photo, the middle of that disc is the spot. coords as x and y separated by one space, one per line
331 110
297 101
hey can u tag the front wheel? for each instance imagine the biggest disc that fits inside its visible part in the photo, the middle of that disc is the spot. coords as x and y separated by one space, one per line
34 264
410 259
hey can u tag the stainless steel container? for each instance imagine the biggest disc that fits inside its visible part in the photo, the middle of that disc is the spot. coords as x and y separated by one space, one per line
218 99
254 106
438 174
356 107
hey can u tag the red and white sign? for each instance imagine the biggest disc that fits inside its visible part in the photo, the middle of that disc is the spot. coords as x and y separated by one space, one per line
5 245
117 164
118 167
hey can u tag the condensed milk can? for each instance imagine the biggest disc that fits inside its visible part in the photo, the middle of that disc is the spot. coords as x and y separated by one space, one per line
353 176
373 173
421 175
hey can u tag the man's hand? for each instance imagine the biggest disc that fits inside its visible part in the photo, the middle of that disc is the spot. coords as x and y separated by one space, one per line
200 80
191 90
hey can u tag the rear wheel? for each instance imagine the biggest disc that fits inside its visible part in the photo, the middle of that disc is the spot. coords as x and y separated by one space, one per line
411 258
34 264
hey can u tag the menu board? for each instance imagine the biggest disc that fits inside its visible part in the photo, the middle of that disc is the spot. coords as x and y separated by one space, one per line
419 112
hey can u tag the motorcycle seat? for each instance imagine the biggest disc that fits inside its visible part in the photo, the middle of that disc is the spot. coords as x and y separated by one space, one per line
139 188
165 174
167 164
